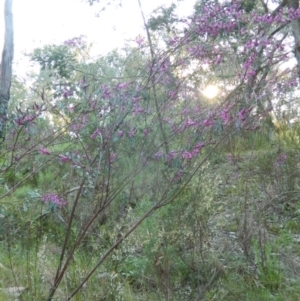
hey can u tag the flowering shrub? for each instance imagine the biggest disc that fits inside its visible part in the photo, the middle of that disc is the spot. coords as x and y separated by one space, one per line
136 125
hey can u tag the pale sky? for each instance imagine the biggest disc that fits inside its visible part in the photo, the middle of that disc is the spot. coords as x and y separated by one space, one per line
40 22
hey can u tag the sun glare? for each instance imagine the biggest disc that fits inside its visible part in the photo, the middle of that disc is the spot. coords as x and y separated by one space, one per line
210 91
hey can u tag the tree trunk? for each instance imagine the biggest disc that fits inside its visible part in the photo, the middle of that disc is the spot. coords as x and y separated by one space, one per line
296 32
6 65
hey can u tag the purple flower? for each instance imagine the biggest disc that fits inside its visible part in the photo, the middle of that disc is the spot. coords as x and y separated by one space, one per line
158 155
121 86
189 122
120 134
171 155
113 157
187 155
146 132
54 199
172 94
136 100
106 92
67 93
44 151
132 133
64 158
172 41
178 176
207 122
225 116
199 146
77 41
139 40
194 152
218 59
23 120
137 109
95 134
251 73
242 115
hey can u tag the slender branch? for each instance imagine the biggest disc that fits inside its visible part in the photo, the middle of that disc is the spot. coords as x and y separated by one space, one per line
279 7
164 200
152 76
59 273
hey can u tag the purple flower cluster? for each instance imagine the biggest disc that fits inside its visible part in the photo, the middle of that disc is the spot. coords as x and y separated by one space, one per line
158 155
67 93
140 40
54 199
178 176
64 158
224 114
106 92
75 42
247 42
95 134
28 116
113 157
132 132
215 19
25 119
281 16
193 152
185 154
171 155
44 151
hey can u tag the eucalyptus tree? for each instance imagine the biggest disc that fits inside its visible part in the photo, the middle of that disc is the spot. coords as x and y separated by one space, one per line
6 65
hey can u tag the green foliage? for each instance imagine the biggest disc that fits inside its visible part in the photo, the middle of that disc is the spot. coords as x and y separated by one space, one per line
55 58
248 5
215 224
164 20
174 249
269 271
289 134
